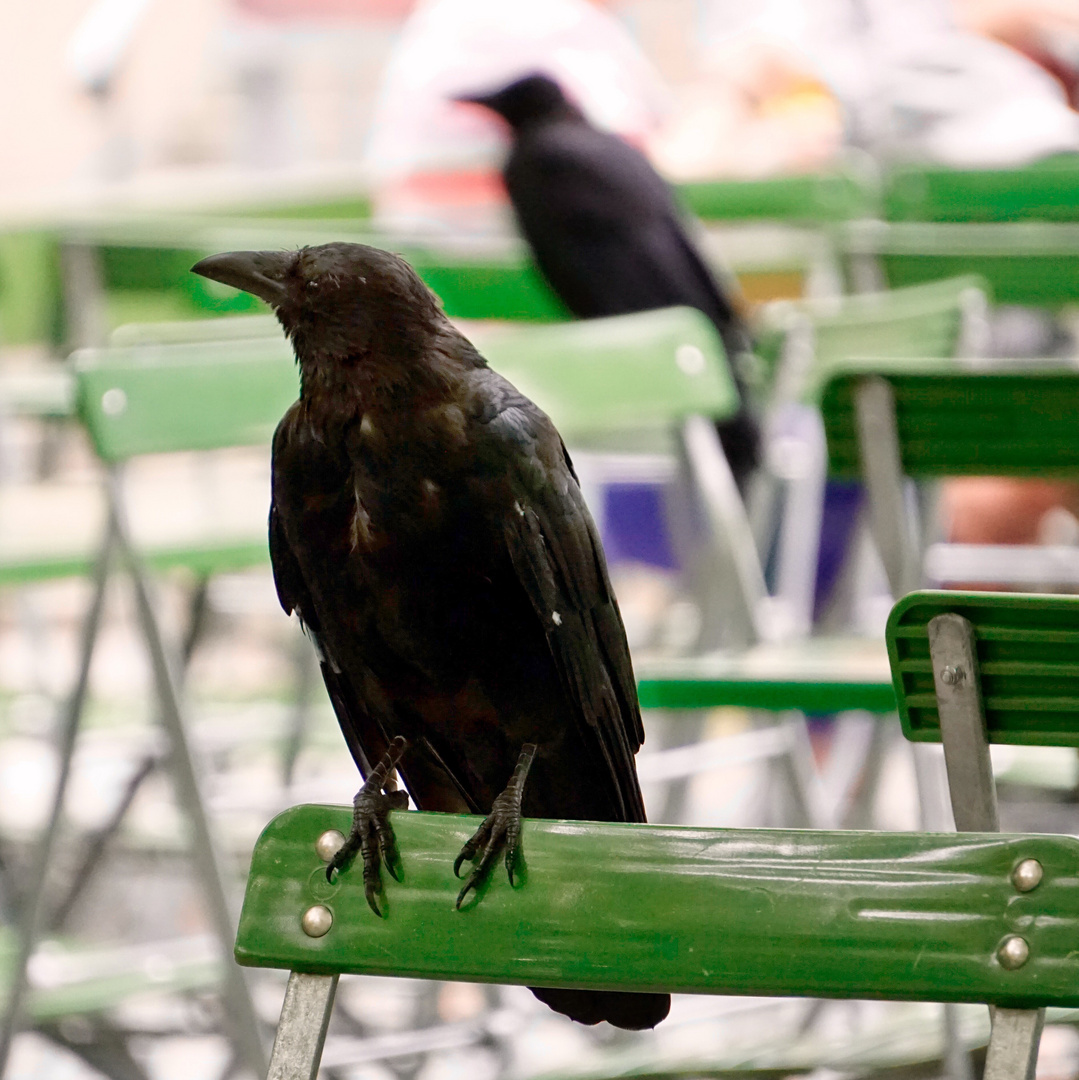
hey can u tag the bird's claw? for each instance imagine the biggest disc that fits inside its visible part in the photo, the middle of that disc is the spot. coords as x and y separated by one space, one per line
372 835
500 829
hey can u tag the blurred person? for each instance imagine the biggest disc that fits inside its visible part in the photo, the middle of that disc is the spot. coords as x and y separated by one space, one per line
434 164
913 79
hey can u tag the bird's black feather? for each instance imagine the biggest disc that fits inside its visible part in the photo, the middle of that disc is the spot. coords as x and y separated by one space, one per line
606 231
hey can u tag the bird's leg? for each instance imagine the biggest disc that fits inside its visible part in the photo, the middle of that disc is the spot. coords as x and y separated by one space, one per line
501 828
372 834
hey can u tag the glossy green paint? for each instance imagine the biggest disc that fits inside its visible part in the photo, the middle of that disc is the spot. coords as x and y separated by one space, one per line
1028 655
905 916
956 421
808 198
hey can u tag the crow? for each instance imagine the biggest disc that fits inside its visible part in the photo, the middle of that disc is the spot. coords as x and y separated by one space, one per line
428 529
606 232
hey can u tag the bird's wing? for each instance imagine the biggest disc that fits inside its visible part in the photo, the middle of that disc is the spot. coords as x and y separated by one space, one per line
305 474
367 740
557 556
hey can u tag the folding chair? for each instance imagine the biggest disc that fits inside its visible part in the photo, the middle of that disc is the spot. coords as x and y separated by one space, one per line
805 341
135 402
973 669
889 420
977 917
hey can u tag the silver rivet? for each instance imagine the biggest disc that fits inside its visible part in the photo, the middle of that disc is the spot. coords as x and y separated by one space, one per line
329 844
317 921
951 675
690 359
1027 875
113 402
1013 952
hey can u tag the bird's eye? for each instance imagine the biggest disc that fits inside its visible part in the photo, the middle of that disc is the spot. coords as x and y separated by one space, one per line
312 285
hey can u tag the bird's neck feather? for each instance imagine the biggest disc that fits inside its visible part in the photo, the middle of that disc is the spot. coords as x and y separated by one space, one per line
339 390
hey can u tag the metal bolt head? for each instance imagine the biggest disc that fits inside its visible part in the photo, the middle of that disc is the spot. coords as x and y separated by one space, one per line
329 844
951 675
1013 952
317 921
1027 875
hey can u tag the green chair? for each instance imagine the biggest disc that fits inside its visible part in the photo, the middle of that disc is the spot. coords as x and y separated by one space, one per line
889 420
1016 227
782 234
977 917
805 340
808 198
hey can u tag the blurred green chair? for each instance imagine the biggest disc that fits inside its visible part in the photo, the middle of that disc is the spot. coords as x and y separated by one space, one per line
1018 228
925 419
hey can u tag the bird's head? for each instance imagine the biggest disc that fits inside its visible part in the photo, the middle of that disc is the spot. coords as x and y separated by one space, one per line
524 101
342 305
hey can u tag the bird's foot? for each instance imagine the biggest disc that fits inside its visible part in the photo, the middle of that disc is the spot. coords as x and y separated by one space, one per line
372 835
500 829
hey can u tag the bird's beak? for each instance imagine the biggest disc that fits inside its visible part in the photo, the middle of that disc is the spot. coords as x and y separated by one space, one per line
261 273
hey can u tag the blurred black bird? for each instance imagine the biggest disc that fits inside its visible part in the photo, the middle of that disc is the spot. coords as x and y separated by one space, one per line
428 529
605 231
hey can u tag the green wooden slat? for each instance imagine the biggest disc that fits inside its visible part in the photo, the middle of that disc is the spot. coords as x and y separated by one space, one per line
921 321
1047 191
1028 652
184 397
809 198
904 916
963 422
764 693
591 377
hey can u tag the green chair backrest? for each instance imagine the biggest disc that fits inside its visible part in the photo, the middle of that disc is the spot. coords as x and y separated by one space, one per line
900 916
1029 262
1027 650
1045 191
201 396
811 198
630 373
923 320
958 421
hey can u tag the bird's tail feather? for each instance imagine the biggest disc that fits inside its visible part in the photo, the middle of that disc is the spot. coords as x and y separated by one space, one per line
634 1012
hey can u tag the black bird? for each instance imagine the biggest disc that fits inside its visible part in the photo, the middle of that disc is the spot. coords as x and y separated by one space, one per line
428 529
605 230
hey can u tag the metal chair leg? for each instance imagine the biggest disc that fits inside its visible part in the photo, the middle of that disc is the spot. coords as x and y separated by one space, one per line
208 862
33 910
882 467
301 1031
1013 1044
